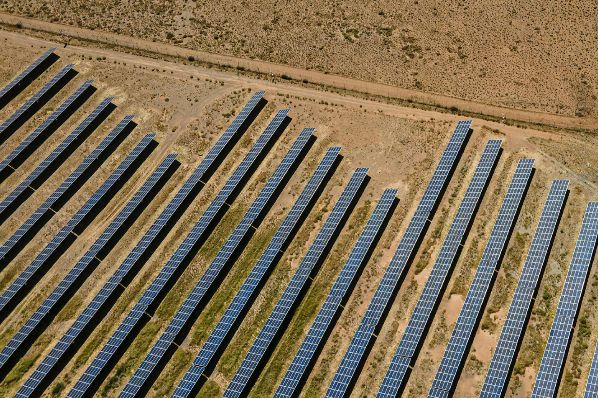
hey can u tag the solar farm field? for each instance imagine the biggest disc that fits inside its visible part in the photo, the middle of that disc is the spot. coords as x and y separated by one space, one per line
173 229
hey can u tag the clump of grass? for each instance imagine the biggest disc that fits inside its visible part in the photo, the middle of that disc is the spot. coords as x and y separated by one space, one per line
58 388
440 333
210 389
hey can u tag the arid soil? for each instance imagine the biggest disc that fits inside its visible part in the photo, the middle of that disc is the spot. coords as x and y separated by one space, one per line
533 55
189 106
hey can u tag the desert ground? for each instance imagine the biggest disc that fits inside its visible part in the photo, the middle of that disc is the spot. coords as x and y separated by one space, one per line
516 62
538 55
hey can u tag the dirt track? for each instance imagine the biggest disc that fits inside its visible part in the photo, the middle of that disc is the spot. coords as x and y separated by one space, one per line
315 77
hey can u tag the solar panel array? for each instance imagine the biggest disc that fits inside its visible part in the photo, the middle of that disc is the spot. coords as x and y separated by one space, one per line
455 352
422 315
38 99
63 190
291 294
354 355
195 237
22 80
87 261
72 227
185 312
34 382
52 161
592 384
548 375
268 258
323 321
513 329
33 140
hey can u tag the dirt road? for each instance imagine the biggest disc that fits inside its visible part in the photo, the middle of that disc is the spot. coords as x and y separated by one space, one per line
317 78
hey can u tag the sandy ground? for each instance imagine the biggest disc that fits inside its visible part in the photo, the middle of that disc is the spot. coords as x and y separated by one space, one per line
188 106
538 55
71 35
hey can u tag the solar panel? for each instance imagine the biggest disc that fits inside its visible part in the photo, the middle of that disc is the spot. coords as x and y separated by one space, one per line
267 260
551 366
385 291
323 321
151 237
63 191
34 140
33 104
472 308
592 384
97 201
34 180
167 273
187 310
513 329
18 84
88 261
281 311
422 315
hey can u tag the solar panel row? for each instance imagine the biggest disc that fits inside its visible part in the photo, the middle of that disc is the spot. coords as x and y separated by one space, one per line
187 310
513 329
431 293
72 228
33 104
18 84
89 260
282 309
332 305
85 320
267 260
35 179
387 288
197 235
52 122
592 384
462 334
553 360
52 203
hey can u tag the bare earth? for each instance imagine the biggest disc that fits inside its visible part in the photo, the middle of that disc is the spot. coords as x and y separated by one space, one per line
537 55
188 106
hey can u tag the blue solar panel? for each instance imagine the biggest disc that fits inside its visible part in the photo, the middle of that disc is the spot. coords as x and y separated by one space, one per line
472 308
183 195
195 237
186 311
53 160
63 190
592 384
548 375
34 103
19 83
264 264
88 260
323 321
281 311
385 291
512 332
96 201
33 140
422 315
